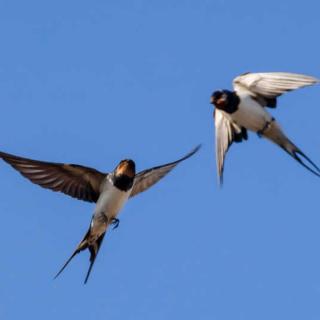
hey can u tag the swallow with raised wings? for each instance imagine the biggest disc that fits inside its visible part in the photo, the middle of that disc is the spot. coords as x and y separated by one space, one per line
245 109
109 191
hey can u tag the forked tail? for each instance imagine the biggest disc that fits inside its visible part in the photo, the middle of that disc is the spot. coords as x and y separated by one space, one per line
276 135
314 168
85 244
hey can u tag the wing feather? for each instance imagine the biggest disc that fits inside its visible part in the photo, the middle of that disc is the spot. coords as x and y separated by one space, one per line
147 178
272 84
74 180
226 132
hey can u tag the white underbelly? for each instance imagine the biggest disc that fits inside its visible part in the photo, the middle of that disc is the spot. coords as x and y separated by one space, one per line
111 201
251 115
108 206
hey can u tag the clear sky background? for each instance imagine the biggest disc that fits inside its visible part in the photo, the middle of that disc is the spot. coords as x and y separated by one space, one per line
93 82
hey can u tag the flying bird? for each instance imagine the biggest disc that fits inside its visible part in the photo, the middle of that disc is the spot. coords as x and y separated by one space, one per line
109 191
244 109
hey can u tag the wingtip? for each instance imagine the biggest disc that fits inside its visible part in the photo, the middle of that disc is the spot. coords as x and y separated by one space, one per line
313 80
197 148
309 80
191 153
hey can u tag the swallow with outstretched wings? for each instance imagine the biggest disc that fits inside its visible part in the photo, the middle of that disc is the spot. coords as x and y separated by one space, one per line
109 191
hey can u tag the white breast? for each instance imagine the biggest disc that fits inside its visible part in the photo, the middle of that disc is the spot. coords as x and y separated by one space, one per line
108 206
250 114
111 200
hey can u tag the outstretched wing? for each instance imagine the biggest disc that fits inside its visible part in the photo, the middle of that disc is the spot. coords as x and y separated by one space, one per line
147 178
227 132
74 180
270 85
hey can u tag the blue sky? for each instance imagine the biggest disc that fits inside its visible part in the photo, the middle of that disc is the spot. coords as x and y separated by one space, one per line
93 82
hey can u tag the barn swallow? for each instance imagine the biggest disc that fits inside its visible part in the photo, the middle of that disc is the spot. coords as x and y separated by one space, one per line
245 109
109 191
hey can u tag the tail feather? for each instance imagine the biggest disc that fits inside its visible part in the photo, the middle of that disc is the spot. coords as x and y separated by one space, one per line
82 246
276 135
64 266
85 244
315 170
93 254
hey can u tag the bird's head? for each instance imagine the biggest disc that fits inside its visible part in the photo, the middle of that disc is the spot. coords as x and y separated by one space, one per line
220 98
127 168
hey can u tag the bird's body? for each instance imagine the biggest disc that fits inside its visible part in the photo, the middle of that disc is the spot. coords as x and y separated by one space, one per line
250 114
110 191
115 189
245 109
109 204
